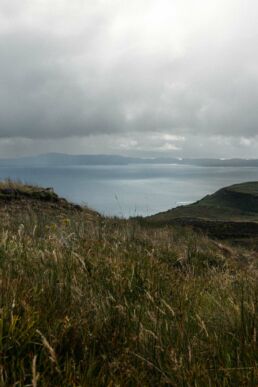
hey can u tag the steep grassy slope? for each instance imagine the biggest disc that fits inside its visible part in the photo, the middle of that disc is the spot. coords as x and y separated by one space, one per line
89 301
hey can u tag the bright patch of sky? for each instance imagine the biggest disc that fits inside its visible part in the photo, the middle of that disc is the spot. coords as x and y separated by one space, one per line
177 78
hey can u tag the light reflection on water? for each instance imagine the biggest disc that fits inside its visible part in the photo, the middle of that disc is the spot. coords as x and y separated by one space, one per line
134 189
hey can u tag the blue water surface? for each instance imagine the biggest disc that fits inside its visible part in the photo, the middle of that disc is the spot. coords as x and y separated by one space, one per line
131 190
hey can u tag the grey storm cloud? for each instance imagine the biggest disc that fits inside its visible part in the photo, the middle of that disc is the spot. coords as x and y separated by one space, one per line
90 68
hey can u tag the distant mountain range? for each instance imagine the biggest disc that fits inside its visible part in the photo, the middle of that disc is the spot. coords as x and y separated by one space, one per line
60 159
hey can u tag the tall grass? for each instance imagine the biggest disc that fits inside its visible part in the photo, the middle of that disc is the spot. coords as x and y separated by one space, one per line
104 302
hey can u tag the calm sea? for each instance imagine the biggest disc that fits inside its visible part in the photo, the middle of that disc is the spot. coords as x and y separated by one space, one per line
132 190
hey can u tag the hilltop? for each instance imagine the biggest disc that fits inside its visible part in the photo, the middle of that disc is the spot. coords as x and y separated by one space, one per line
231 211
17 198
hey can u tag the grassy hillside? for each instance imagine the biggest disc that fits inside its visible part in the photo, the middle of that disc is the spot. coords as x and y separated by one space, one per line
228 213
91 301
238 203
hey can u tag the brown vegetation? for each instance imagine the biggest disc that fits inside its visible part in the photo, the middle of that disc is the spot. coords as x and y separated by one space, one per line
89 301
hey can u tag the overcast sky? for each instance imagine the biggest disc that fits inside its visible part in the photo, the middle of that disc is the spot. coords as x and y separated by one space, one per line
138 77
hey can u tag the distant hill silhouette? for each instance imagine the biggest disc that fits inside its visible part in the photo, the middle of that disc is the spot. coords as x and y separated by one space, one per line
57 159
